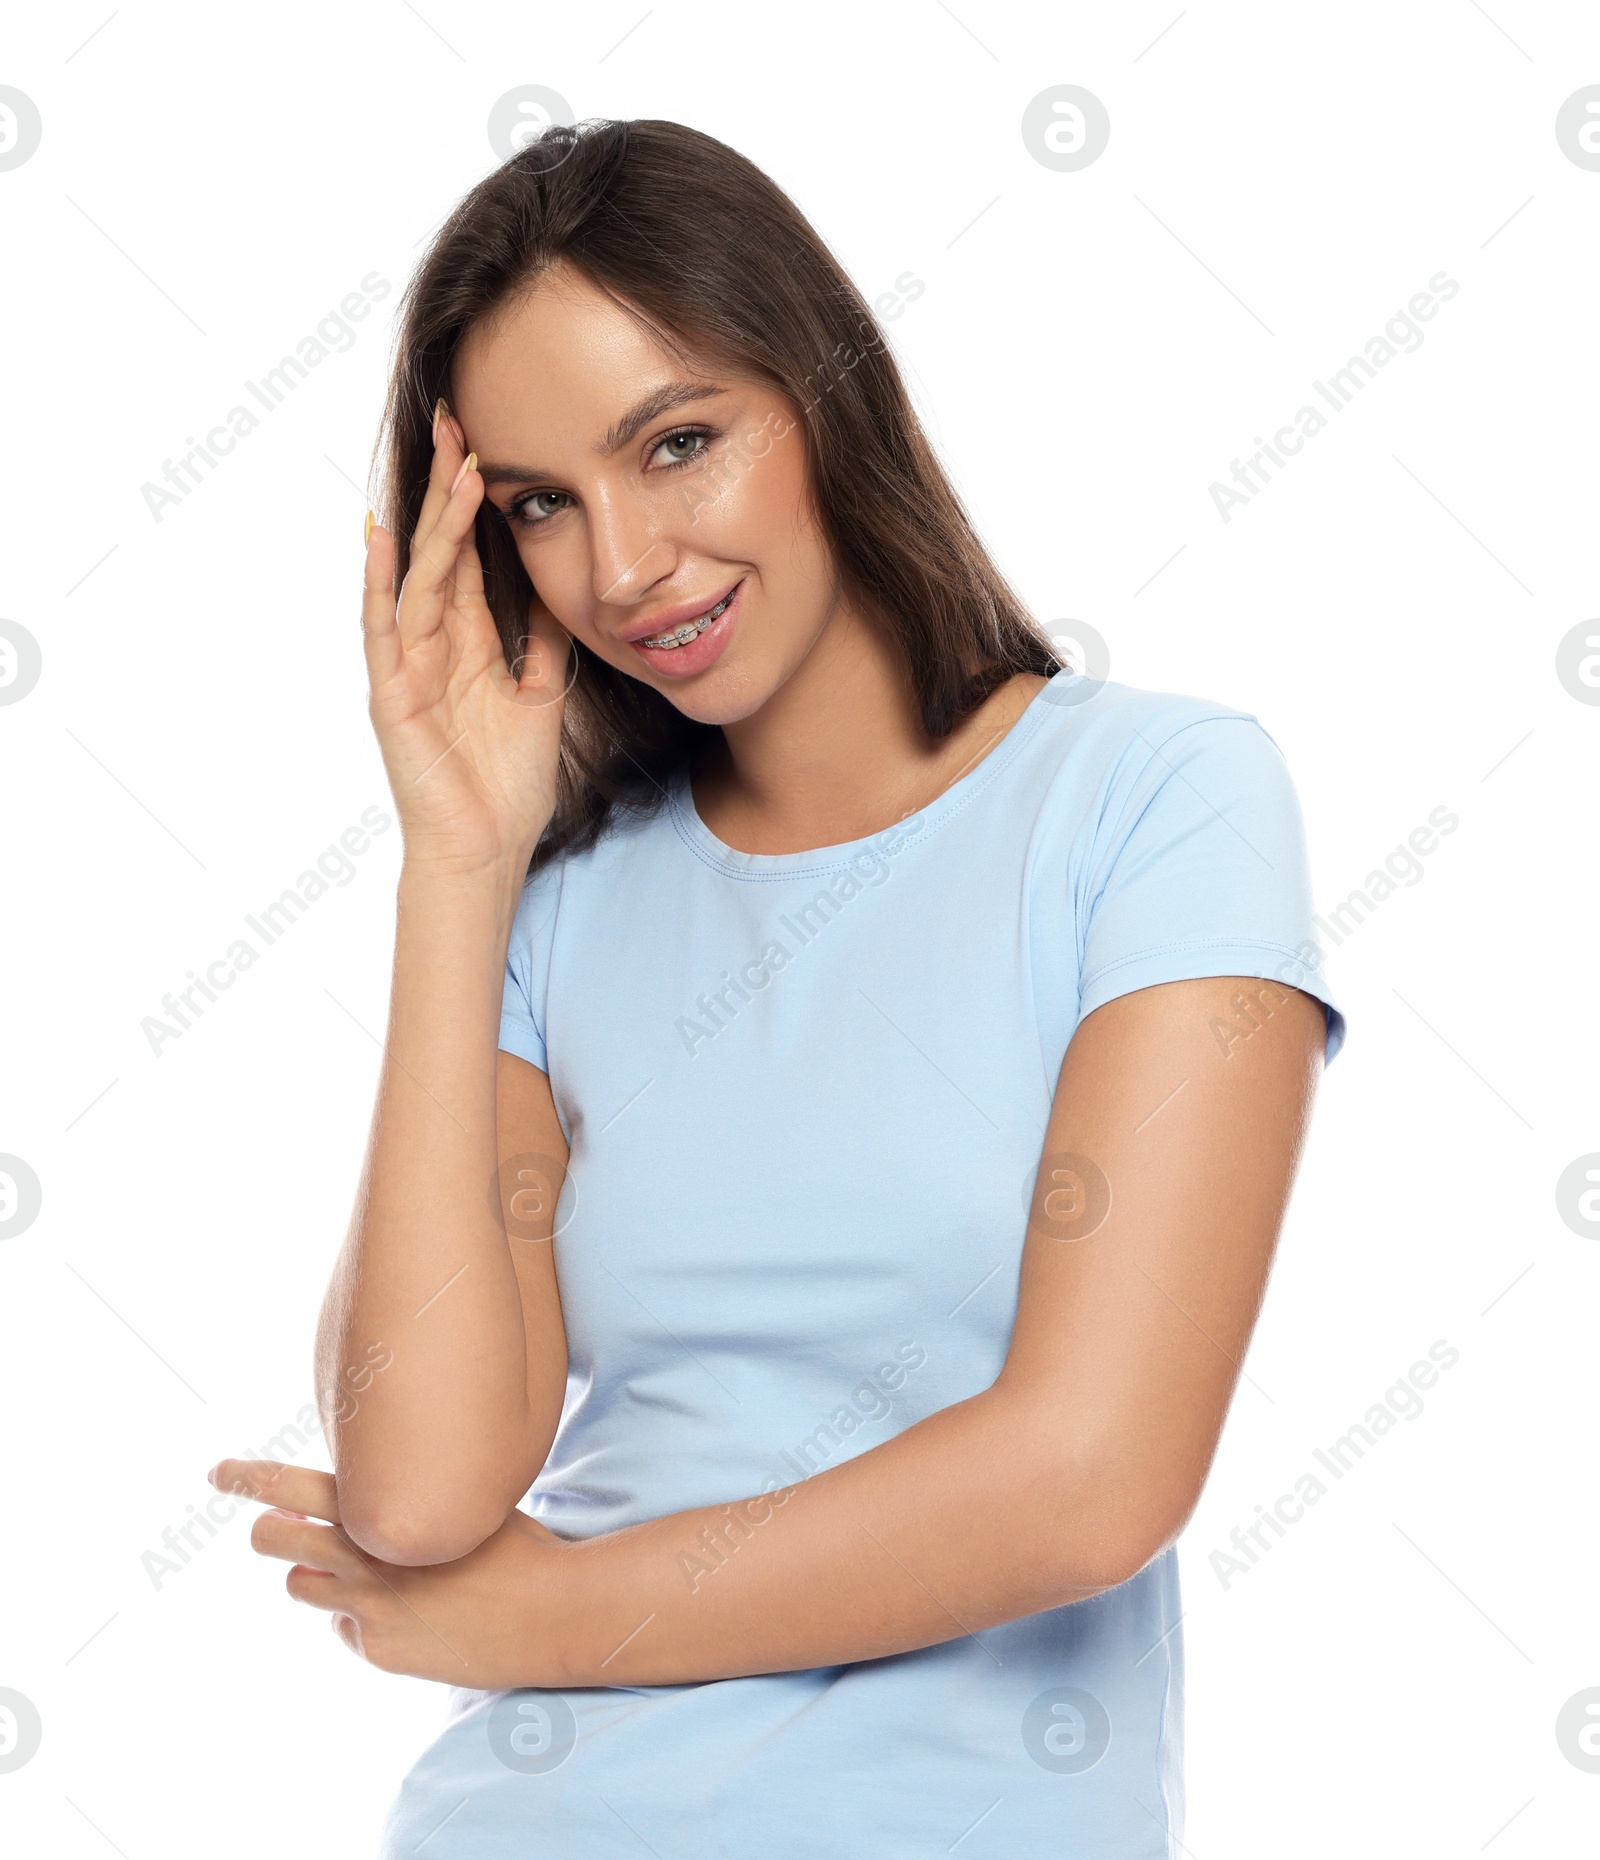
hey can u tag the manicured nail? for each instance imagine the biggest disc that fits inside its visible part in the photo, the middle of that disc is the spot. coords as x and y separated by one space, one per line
366 534
467 464
439 410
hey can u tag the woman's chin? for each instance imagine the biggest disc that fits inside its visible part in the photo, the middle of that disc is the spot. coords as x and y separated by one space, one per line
728 693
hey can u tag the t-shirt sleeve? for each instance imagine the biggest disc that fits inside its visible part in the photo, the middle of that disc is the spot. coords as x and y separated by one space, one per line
1201 869
527 979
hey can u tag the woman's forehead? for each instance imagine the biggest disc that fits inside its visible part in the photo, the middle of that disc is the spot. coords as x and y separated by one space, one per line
561 323
566 364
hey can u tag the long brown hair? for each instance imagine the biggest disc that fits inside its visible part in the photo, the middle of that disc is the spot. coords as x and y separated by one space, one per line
716 260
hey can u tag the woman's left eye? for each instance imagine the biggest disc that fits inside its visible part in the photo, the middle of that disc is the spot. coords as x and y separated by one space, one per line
696 437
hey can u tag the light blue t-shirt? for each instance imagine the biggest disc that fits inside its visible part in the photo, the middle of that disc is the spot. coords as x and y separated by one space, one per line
805 1095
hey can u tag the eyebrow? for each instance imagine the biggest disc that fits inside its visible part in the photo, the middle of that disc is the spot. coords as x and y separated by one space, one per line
659 401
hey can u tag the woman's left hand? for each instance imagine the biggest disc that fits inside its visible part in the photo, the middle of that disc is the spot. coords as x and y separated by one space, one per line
482 1622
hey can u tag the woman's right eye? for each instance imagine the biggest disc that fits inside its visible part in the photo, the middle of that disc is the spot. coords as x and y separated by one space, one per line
533 509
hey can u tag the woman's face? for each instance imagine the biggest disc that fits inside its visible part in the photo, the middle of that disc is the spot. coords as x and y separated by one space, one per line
651 503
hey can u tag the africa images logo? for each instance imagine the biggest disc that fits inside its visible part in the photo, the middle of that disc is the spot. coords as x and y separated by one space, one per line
718 1008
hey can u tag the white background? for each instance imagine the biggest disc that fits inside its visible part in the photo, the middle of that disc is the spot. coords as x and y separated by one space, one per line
1091 351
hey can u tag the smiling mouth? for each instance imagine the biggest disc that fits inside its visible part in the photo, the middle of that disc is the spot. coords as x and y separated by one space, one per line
691 629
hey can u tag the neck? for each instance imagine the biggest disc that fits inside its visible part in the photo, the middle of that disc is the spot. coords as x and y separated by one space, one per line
839 751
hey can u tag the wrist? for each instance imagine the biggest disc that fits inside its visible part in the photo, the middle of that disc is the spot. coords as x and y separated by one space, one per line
549 1599
430 882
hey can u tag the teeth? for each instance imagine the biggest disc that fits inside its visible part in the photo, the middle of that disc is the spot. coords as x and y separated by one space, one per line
691 629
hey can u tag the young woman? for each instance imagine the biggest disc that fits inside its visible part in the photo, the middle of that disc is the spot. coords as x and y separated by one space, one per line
836 1188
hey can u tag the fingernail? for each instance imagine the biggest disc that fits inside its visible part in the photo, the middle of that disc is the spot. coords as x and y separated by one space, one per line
439 411
467 464
366 534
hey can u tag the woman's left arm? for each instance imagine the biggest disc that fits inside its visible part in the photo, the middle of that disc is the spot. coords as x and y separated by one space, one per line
1172 1144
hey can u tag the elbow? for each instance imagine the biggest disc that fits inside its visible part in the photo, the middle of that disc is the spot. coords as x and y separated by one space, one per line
1138 1524
1103 1556
413 1535
1109 1521
1131 1550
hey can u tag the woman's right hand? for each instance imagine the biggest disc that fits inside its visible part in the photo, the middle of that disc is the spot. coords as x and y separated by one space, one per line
470 750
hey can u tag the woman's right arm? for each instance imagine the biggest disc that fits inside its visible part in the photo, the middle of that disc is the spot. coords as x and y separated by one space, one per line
440 1351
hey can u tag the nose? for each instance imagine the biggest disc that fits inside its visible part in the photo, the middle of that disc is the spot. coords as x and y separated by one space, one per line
630 553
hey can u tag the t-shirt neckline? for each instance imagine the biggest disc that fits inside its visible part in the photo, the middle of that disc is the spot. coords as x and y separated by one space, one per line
818 859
